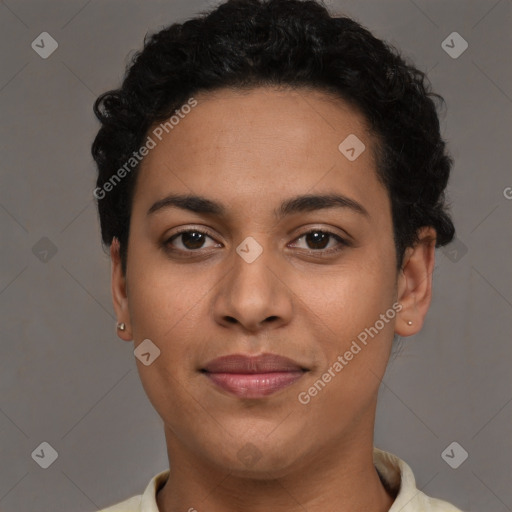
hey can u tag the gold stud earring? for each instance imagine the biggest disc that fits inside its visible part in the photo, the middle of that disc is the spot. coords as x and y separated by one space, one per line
121 326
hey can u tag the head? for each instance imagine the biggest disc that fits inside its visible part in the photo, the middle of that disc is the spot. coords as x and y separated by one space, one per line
276 130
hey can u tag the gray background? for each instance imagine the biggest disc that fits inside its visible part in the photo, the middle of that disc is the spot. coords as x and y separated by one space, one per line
67 380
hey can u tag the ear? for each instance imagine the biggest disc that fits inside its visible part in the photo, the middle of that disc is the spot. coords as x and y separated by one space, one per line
119 295
415 283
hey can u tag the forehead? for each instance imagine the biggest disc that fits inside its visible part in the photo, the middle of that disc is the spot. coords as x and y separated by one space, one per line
259 144
297 122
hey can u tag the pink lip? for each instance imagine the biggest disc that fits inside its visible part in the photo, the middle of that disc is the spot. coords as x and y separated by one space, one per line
253 376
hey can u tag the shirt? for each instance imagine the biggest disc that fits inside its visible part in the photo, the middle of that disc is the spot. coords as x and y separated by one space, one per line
395 473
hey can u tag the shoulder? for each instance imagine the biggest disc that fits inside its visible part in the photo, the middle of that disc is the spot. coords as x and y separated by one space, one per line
400 480
145 502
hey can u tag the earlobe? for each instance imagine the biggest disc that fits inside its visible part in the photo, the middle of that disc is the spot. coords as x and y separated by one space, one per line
119 294
415 283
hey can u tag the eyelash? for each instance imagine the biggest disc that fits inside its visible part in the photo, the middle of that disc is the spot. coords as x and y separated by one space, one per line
317 252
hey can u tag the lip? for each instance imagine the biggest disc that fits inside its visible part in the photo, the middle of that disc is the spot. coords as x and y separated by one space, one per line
253 376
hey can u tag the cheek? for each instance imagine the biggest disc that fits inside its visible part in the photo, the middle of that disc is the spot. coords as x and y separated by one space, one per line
355 347
166 307
162 296
352 297
349 304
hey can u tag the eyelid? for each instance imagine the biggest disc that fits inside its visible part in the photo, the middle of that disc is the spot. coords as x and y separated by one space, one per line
329 230
186 229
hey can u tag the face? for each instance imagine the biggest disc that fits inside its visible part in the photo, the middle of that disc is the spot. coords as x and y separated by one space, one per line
254 270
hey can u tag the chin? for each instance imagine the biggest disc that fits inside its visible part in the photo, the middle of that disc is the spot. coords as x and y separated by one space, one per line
259 458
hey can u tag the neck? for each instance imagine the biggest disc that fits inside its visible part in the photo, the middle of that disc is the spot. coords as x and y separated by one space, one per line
341 478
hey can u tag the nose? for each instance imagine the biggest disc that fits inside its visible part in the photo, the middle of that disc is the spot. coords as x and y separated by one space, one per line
254 295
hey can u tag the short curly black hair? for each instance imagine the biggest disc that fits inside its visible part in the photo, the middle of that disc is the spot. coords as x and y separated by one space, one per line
295 43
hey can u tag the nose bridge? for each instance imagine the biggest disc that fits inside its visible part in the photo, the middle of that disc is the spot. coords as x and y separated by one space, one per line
251 274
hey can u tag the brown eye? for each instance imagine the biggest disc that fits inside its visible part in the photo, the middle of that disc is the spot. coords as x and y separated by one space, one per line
191 240
318 240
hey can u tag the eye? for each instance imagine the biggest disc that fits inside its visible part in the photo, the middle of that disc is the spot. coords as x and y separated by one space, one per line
191 240
317 240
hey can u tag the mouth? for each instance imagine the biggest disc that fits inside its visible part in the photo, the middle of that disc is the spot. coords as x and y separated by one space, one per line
253 376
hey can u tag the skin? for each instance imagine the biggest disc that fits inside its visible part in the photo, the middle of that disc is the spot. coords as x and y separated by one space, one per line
250 151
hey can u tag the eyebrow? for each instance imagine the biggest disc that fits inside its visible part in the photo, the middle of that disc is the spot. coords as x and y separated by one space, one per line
298 204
